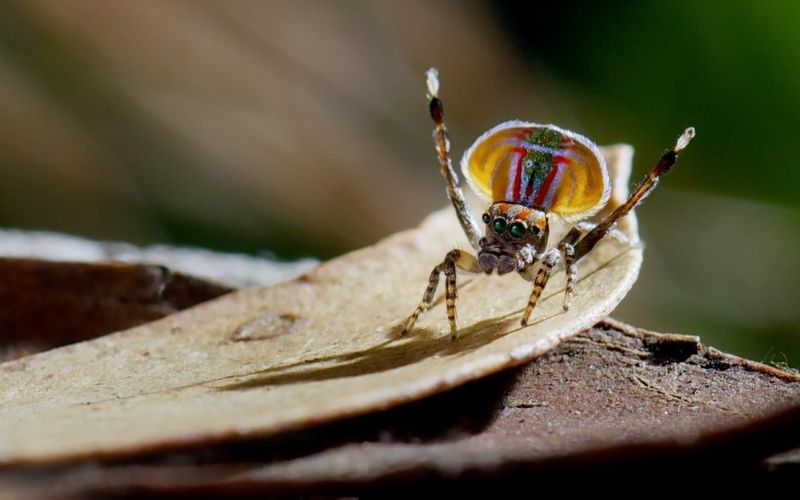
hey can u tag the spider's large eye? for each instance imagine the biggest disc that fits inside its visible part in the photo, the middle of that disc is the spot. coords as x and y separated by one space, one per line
499 225
517 230
486 218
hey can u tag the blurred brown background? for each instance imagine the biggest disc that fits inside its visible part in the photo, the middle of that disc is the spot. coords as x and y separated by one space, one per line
300 128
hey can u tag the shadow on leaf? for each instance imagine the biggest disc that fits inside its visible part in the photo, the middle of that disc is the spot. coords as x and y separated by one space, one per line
392 353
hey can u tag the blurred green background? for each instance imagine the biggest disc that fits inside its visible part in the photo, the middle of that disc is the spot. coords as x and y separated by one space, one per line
300 128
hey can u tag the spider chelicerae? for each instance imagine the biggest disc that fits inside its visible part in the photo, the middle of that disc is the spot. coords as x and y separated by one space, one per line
529 172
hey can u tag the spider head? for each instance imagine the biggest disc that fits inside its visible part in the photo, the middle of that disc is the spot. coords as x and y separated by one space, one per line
514 235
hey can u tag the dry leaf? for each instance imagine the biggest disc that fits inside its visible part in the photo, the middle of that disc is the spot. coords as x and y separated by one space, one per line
322 347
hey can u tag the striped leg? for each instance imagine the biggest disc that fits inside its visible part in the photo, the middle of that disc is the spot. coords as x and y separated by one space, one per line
572 249
454 259
650 182
450 294
548 262
468 223
568 251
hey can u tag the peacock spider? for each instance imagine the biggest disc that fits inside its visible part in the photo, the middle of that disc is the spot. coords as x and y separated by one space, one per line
528 171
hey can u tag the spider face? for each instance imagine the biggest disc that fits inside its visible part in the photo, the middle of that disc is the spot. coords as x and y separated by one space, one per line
515 235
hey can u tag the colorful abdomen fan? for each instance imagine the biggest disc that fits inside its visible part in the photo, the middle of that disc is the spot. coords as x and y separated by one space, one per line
539 166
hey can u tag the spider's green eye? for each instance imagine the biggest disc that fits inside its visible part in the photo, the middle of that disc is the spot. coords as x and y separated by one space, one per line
486 218
517 230
534 230
499 225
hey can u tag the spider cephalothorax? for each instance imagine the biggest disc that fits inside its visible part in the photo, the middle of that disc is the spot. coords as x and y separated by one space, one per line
527 171
514 235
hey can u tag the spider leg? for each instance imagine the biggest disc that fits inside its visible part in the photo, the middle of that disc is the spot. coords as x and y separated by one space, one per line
573 247
567 248
613 232
454 259
468 222
665 163
548 262
568 251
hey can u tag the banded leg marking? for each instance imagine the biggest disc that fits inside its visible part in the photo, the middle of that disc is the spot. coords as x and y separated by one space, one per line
468 222
427 298
451 293
550 259
568 251
454 259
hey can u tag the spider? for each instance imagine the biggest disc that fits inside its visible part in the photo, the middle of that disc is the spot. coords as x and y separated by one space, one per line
529 172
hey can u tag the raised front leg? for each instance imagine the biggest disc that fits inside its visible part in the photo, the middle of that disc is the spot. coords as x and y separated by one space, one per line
665 163
575 245
454 259
468 222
